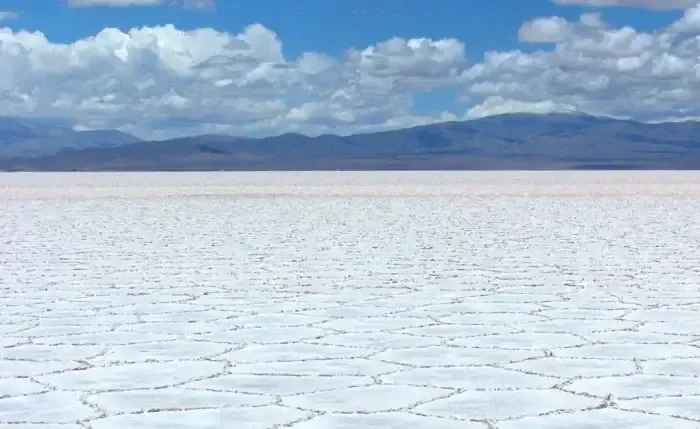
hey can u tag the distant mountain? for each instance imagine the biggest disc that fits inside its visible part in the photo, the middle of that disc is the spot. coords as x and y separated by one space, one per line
514 141
38 137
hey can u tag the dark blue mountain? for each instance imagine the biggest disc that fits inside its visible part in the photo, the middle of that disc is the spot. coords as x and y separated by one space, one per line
40 137
514 141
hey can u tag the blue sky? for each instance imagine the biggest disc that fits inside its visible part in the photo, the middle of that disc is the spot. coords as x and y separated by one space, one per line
329 25
331 28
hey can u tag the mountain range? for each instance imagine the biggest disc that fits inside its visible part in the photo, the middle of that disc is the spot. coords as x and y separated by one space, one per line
511 141
23 137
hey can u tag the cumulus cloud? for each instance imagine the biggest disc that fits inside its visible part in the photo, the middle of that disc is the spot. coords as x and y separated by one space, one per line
594 68
545 30
160 82
644 4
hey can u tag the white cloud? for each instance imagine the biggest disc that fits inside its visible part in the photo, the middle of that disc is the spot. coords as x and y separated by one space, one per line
5 15
162 81
644 4
545 30
594 68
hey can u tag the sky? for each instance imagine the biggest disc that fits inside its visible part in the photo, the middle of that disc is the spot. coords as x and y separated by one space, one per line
166 68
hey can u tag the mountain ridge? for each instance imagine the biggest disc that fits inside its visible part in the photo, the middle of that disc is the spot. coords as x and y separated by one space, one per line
508 141
33 137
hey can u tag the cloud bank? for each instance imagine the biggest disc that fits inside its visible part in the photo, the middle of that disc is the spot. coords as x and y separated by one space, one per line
160 82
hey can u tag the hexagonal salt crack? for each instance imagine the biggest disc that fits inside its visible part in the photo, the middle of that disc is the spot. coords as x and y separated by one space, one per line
18 310
583 314
470 378
595 302
59 330
161 351
520 297
599 419
576 326
454 356
25 368
248 418
188 317
51 353
51 407
104 338
685 406
177 328
262 335
276 319
19 386
490 318
291 352
172 398
365 399
663 314
630 351
374 324
6 342
145 307
682 367
522 341
635 337
357 367
11 329
571 368
348 312
278 384
377 340
10 320
457 331
476 305
497 405
121 298
132 376
635 386
88 319
389 420
671 326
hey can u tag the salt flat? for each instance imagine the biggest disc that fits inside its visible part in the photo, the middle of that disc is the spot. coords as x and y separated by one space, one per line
350 300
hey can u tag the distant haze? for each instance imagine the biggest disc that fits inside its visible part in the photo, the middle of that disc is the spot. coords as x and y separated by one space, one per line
29 186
